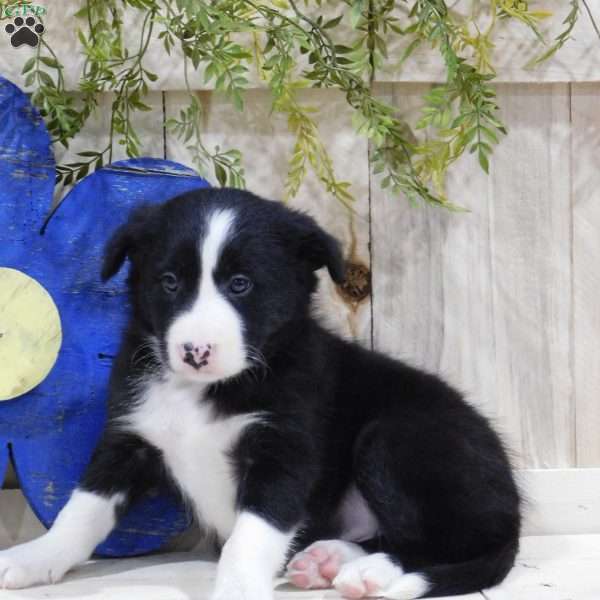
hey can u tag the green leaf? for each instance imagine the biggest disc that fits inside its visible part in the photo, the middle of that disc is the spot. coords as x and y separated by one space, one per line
483 161
333 22
221 174
409 50
238 102
28 65
83 171
46 79
356 12
51 62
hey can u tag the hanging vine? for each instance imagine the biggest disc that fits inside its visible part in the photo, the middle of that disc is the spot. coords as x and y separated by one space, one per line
293 47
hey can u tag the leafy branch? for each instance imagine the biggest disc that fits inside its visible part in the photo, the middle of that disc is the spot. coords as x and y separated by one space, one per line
293 47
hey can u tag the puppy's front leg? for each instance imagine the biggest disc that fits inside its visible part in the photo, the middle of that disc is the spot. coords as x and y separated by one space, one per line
86 519
251 557
81 525
276 471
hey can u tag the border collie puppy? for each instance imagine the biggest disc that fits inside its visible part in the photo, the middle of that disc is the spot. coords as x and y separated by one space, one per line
356 471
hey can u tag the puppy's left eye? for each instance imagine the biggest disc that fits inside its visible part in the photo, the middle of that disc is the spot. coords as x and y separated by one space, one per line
169 283
239 284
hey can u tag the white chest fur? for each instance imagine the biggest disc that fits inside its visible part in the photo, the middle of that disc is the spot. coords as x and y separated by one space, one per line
172 417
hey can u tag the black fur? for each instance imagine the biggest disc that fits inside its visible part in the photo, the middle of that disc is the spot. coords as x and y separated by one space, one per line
430 467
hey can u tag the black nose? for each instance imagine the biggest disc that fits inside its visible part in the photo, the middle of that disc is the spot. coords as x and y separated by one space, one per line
188 346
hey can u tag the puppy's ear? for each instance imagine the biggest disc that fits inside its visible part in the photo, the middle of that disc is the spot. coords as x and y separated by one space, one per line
318 248
124 241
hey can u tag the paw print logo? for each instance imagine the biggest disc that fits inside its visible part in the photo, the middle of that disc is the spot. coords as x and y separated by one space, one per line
24 31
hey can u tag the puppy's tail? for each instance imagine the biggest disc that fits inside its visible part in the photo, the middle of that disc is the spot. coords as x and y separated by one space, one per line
458 578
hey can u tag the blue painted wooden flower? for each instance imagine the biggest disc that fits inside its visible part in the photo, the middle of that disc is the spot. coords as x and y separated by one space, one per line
52 429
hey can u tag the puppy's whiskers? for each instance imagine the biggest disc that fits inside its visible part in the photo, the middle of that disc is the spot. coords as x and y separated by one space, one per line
147 364
258 361
255 355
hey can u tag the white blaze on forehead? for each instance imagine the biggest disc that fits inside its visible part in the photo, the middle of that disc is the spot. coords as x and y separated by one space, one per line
218 230
211 319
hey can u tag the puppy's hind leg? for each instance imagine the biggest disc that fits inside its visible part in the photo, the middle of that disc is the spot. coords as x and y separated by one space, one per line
448 521
112 480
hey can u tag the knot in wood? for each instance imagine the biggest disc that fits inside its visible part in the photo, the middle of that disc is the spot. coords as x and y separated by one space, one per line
357 284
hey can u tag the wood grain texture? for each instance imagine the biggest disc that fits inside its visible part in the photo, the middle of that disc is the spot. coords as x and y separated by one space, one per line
578 60
266 144
148 125
484 297
18 523
27 176
548 568
585 155
561 567
515 46
559 502
502 300
175 576
529 196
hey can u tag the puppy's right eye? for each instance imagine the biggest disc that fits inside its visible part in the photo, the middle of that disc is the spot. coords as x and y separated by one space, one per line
169 283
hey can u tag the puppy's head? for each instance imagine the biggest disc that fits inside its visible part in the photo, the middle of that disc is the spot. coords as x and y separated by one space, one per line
217 274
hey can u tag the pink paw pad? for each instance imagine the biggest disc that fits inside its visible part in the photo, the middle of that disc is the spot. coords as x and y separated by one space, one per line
299 565
319 553
301 580
319 564
305 571
369 577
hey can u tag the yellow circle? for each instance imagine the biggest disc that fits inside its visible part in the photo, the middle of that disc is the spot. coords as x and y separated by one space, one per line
30 333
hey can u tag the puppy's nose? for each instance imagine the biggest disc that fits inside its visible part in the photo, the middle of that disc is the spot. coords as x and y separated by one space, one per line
196 355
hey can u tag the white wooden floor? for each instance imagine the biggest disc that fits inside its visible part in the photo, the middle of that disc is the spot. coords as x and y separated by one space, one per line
549 568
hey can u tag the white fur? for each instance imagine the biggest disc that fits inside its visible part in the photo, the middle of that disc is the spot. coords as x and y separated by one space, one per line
211 319
250 560
317 564
353 573
80 526
407 587
376 576
171 416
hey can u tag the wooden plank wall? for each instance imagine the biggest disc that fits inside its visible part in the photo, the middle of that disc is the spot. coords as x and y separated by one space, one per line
585 207
486 297
502 300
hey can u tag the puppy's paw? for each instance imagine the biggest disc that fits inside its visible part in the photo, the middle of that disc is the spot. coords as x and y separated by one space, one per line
320 562
30 564
376 576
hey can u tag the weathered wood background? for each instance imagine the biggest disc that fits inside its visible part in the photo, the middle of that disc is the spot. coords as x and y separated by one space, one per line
502 300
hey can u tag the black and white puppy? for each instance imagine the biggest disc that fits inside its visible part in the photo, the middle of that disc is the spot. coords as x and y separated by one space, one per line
283 437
